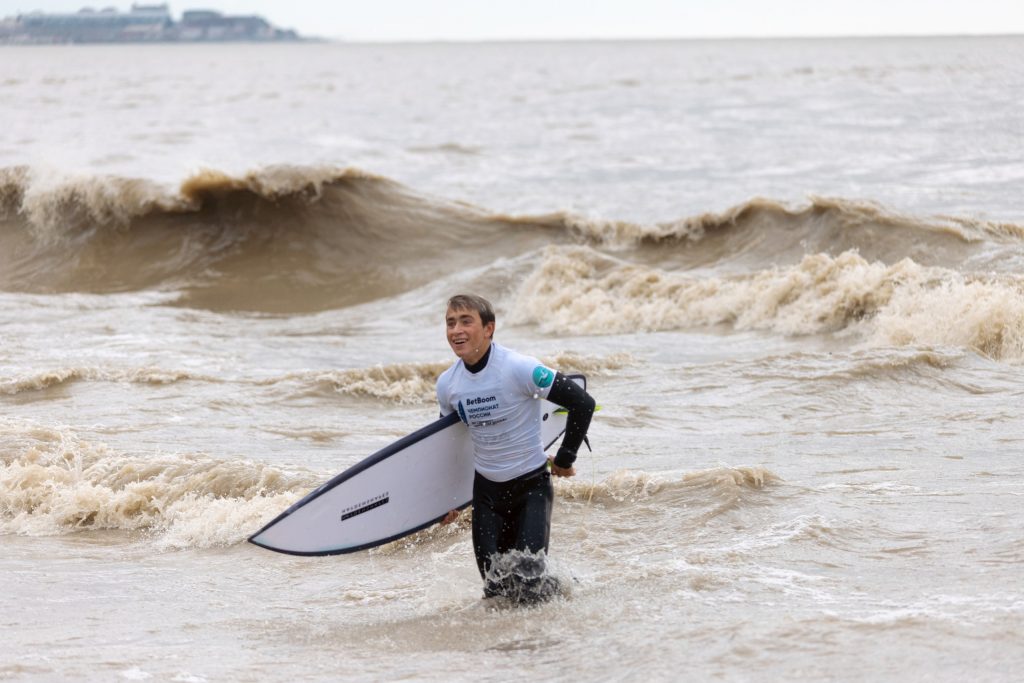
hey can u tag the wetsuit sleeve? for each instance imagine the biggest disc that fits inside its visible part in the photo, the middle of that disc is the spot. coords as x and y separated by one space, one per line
571 396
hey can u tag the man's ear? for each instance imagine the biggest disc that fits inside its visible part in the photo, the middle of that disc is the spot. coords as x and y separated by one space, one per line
489 327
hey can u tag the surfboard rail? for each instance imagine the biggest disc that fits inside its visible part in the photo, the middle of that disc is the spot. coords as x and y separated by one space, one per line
366 463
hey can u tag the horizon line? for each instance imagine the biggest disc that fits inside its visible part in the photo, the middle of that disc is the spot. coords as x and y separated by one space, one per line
519 40
597 39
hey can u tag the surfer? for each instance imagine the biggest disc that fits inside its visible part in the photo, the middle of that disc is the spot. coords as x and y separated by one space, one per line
495 389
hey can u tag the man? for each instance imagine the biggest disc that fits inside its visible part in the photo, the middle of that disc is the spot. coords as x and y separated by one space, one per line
496 391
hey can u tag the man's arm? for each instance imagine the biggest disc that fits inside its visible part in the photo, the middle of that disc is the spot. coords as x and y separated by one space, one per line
571 396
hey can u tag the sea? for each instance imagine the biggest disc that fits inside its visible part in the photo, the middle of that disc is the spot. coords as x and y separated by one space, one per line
791 270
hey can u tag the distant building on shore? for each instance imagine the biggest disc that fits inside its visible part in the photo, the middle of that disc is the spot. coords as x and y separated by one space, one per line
141 24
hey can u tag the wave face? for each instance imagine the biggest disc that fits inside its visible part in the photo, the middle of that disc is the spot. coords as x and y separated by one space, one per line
282 240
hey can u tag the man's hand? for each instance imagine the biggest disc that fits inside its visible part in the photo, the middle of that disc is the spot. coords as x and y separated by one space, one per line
450 517
561 471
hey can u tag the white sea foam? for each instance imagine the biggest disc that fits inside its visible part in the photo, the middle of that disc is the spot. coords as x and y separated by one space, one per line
54 482
900 304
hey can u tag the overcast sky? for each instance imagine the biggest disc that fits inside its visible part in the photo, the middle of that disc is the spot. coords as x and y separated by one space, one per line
401 20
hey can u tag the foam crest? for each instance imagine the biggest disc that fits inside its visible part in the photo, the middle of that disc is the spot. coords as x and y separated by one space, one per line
985 315
59 207
591 365
863 364
402 383
686 229
53 482
899 304
829 215
13 181
631 486
270 183
46 379
591 293
415 383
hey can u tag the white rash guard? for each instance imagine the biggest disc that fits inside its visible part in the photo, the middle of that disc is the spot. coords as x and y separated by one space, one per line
501 407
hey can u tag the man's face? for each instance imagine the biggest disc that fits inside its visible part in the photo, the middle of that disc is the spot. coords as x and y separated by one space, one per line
467 335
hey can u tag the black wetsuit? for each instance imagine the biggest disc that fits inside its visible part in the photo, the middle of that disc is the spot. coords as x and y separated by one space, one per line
515 515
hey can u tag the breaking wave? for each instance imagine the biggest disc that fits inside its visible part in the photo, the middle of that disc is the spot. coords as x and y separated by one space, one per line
761 227
399 383
53 482
415 383
46 379
282 239
287 239
900 304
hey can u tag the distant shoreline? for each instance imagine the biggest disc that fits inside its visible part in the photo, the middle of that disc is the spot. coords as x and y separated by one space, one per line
142 24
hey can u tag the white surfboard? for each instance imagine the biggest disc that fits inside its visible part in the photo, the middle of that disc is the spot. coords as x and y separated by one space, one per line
398 490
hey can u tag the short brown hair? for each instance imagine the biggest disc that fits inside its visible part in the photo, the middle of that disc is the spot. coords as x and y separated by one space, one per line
472 302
